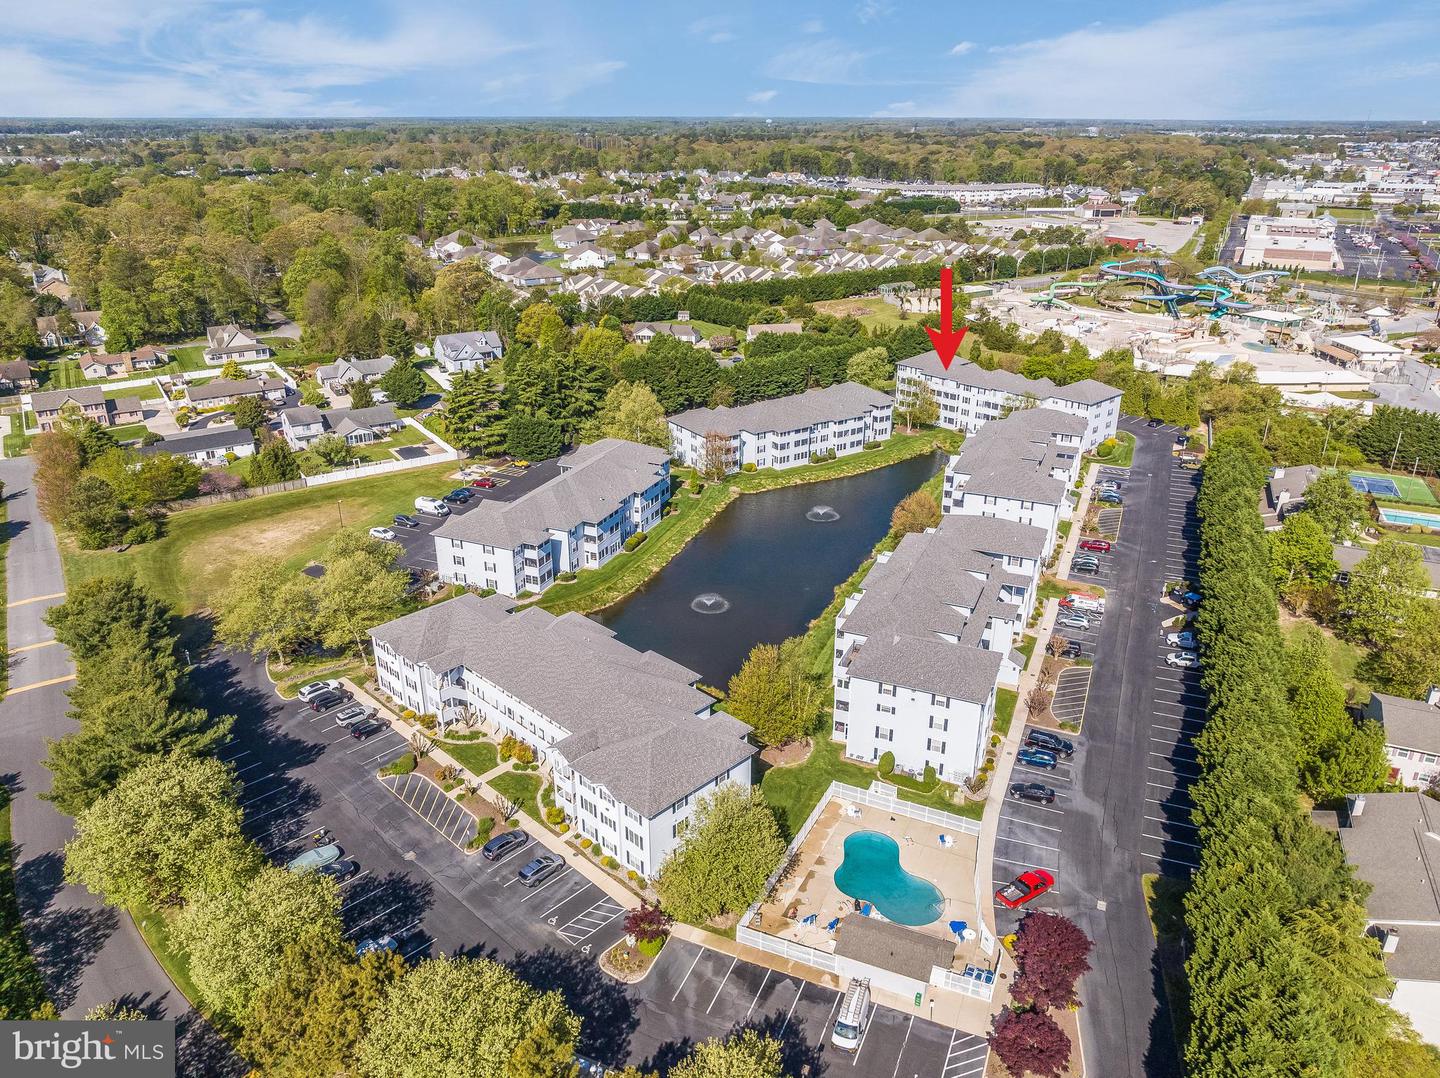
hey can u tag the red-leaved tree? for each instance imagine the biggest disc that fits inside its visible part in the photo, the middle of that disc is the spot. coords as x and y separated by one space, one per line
647 922
1051 953
1029 1042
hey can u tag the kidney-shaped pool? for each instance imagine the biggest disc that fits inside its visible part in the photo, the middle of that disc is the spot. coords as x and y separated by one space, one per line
871 872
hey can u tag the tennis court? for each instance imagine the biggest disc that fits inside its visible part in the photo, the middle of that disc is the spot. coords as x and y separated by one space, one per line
1404 488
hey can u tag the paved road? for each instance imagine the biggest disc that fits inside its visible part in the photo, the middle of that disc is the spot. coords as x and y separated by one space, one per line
87 952
302 773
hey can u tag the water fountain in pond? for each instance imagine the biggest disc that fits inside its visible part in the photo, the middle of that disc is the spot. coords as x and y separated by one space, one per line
822 514
710 603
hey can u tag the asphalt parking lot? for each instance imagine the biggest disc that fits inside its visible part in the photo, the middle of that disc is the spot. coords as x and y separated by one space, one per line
1386 260
1028 837
302 773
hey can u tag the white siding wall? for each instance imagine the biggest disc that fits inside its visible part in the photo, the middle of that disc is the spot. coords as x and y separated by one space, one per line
790 448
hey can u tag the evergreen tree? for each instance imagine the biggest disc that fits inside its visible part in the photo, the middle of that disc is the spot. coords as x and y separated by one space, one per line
403 383
473 419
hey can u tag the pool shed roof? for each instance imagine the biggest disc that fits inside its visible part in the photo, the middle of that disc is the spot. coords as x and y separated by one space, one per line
892 947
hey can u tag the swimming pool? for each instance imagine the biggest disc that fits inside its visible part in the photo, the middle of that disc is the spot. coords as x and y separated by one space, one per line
871 872
1401 516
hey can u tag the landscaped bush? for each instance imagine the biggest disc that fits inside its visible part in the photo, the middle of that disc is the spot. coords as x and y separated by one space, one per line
610 863
1105 448
929 778
563 828
568 575
872 445
748 466
147 531
585 843
635 540
887 764
403 766
650 948
408 715
427 722
554 815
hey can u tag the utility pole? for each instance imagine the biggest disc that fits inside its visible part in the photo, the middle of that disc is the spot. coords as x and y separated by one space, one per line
1396 452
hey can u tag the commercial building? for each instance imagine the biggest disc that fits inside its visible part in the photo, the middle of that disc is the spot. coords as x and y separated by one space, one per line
1291 243
630 741
1359 350
922 647
786 431
604 494
970 396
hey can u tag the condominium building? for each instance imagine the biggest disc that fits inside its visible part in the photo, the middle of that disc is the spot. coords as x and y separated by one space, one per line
1020 468
604 494
786 431
970 396
628 739
922 648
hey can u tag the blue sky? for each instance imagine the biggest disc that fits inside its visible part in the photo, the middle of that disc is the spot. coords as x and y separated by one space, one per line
1232 59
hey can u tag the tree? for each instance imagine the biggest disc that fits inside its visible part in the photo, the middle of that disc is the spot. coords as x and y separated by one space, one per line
1380 591
747 1054
311 1018
237 936
647 922
1051 954
94 513
232 370
333 450
170 829
871 367
248 413
1301 556
464 1016
1029 1042
1335 505
601 346
266 608
916 405
361 396
403 383
99 612
311 394
59 457
473 418
731 845
916 512
630 411
275 463
1410 662
773 692
717 456
533 437
540 324
360 588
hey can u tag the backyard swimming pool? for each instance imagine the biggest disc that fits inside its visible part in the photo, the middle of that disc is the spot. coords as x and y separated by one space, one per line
1401 516
871 872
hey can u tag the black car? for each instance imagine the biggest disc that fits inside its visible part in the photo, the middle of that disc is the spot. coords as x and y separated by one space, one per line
1085 567
405 520
339 871
1044 739
366 728
1071 650
329 698
458 496
1153 423
501 845
1037 792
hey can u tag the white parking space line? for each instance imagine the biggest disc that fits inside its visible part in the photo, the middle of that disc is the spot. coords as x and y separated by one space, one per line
793 1004
1173 770
698 955
250 767
763 982
559 875
1167 838
722 984
232 759
1028 805
277 808
425 941
1030 823
376 917
1172 823
1023 842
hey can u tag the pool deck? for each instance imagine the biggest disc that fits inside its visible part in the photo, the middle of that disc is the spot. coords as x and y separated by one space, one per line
811 887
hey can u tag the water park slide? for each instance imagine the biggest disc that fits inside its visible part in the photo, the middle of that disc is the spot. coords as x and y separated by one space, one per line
1236 277
1171 293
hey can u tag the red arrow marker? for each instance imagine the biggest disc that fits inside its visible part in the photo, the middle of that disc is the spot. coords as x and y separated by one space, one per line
946 339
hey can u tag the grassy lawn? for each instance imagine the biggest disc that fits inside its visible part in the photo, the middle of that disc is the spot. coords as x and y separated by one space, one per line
25 991
714 329
1164 902
369 453
17 442
522 787
289 678
597 588
1341 213
1123 453
1344 657
66 374
478 756
872 311
156 931
1379 287
148 392
129 432
1005 701
202 547
1027 647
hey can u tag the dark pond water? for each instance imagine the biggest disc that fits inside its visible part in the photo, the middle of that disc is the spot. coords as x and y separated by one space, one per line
514 249
763 569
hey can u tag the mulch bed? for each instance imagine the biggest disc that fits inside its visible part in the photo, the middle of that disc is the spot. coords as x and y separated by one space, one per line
797 752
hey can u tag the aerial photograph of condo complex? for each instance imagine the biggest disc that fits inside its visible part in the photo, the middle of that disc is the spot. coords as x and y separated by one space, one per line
647 540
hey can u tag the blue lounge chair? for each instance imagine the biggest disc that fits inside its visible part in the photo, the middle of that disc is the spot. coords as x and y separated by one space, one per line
865 910
811 919
831 926
958 927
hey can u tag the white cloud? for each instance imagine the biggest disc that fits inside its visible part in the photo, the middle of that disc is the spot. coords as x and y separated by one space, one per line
962 48
812 26
870 10
897 108
715 29
827 61
761 97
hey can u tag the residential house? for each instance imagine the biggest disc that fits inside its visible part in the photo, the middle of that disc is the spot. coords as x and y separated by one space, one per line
527 273
301 425
645 332
89 402
15 375
1392 841
88 331
587 256
1284 492
1018 468
1412 735
970 396
644 251
605 493
922 648
224 343
783 432
206 446
456 352
569 236
220 392
116 364
629 740
751 332
345 371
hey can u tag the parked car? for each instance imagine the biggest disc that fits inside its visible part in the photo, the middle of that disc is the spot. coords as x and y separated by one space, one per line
319 857
1190 465
382 533
315 688
1087 567
1045 761
1071 650
379 943
521 463
1188 598
1100 545
485 483
329 698
1183 660
366 728
1044 739
405 520
1088 604
1108 484
353 713
504 844
434 506
539 869
339 871
1037 792
1073 621
1183 639
1029 884
458 496
1110 497
1153 423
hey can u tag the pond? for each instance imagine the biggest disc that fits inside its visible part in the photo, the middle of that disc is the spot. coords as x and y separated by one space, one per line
513 249
763 569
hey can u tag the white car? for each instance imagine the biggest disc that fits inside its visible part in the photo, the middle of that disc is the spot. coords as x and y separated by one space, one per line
1073 621
1184 639
382 533
1185 660
315 688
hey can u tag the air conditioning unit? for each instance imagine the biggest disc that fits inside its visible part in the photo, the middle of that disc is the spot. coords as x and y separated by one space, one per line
1390 940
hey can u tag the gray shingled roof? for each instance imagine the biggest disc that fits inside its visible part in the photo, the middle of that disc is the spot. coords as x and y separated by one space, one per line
1409 724
633 717
226 387
843 401
1013 457
55 399
223 436
1395 847
893 947
1085 391
592 483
